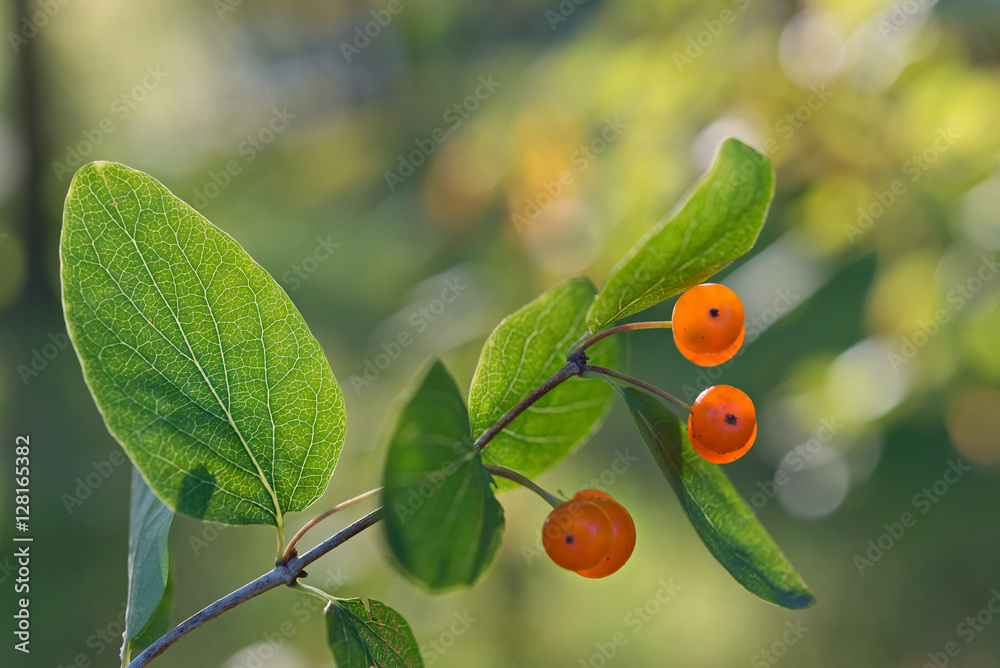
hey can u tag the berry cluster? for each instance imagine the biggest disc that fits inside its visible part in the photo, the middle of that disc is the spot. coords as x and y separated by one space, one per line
709 328
592 534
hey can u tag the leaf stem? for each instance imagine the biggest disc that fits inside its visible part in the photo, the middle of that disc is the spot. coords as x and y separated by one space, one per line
322 516
570 369
503 472
586 343
635 381
313 591
283 573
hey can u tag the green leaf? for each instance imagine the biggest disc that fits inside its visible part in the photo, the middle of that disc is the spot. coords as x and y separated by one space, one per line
442 521
717 221
200 364
726 525
525 349
373 636
150 585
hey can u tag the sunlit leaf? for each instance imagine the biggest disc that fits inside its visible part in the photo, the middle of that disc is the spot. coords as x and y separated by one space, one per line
716 222
150 585
369 636
442 521
723 521
200 364
525 349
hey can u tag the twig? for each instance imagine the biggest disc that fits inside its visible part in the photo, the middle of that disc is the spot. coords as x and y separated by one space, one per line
283 573
570 369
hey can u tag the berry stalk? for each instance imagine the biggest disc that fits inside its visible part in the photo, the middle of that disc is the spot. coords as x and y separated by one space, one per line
580 346
638 383
514 476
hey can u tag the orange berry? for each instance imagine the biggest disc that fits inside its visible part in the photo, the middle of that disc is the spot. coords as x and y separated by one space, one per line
623 542
577 535
590 493
708 324
714 359
723 424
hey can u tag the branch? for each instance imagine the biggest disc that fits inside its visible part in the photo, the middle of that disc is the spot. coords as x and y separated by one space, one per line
570 369
288 572
283 573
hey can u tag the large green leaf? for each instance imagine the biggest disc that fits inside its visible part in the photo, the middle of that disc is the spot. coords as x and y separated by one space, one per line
526 348
716 222
442 520
372 636
726 525
150 586
200 364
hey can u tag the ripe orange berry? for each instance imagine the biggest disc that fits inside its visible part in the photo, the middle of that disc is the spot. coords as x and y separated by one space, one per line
623 542
577 535
708 324
723 424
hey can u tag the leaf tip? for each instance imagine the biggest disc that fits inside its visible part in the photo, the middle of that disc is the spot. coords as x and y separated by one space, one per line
799 600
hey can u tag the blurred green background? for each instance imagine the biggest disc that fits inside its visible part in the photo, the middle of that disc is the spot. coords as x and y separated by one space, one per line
372 154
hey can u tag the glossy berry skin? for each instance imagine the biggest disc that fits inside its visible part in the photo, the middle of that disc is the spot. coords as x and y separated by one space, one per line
623 542
723 424
577 535
708 324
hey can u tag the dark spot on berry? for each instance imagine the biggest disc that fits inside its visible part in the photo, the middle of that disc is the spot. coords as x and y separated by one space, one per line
569 539
730 418
714 312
